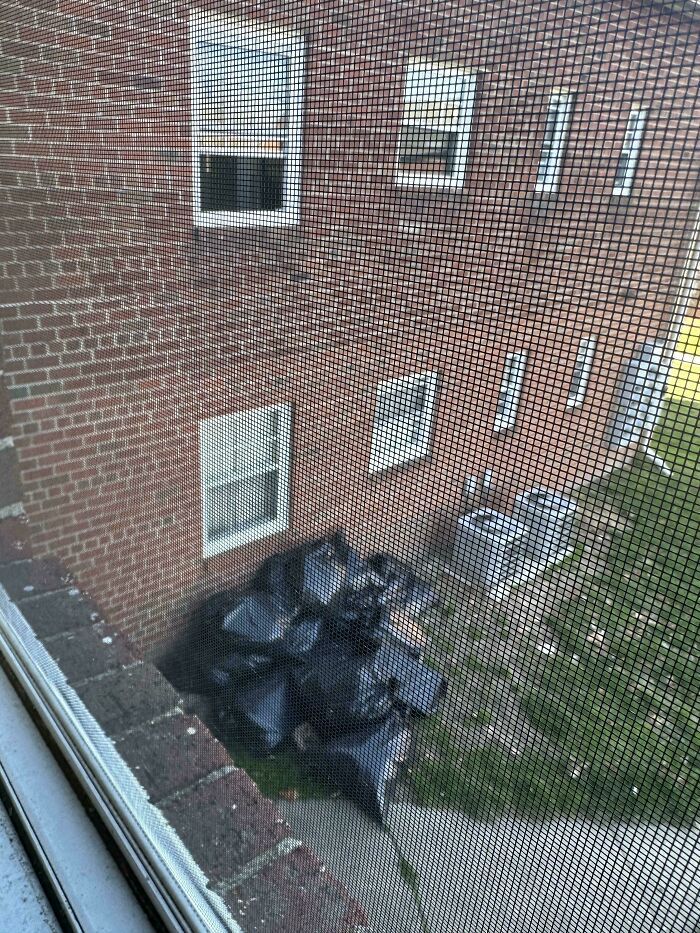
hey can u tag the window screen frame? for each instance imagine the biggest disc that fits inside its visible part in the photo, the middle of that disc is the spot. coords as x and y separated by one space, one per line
585 357
467 106
552 158
634 146
382 458
506 421
255 37
210 548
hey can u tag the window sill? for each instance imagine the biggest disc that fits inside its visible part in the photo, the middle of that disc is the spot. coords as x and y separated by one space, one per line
214 548
425 181
377 466
244 219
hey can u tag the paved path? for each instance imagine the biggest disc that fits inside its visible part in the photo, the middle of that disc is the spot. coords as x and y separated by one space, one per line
509 876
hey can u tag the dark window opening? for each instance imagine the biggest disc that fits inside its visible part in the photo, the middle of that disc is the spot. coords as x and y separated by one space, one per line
240 183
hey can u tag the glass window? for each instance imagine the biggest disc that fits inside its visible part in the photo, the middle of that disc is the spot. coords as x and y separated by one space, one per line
582 373
402 421
510 391
438 105
245 476
629 155
247 115
554 142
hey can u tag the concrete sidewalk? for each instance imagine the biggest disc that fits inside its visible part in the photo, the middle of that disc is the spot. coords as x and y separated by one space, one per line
559 876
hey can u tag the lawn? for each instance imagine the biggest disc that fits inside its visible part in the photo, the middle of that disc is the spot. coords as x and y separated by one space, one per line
618 702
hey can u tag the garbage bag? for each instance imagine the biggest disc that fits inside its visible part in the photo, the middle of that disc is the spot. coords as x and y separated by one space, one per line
301 636
280 576
414 685
399 585
365 764
235 665
339 689
330 566
359 619
257 623
260 712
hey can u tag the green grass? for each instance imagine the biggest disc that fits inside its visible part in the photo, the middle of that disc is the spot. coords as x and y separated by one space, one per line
623 715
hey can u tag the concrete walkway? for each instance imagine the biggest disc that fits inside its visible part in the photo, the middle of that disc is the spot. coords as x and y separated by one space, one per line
560 876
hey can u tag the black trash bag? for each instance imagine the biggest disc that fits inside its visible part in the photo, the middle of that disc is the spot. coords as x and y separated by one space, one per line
301 637
359 619
339 689
234 666
331 566
257 623
280 576
395 578
421 599
415 686
365 764
187 662
260 712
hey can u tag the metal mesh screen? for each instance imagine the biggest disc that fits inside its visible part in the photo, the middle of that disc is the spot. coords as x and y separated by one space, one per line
351 370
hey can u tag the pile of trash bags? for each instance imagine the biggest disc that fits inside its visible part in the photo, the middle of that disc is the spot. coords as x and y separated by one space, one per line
321 644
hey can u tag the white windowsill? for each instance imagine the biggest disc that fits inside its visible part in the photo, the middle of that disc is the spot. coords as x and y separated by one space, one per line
427 181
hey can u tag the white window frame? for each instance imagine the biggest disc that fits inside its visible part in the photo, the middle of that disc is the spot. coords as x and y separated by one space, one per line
511 390
552 155
258 37
281 521
582 372
631 147
386 452
464 123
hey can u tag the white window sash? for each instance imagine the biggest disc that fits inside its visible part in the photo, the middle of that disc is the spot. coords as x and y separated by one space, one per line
510 391
552 153
463 130
582 372
631 147
387 449
281 468
258 38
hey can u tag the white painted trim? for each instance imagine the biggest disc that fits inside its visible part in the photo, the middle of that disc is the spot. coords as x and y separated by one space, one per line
281 521
379 459
259 37
455 180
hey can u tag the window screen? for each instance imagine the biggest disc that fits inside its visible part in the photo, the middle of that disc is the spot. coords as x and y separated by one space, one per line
350 453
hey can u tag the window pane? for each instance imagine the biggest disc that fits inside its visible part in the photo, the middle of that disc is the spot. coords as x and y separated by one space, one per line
243 94
235 183
239 506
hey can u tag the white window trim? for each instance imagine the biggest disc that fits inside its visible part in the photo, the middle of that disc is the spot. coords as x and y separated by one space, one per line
260 36
379 459
633 146
464 124
264 530
564 101
502 422
584 358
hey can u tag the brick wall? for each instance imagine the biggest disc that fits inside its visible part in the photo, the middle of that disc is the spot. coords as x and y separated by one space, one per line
123 325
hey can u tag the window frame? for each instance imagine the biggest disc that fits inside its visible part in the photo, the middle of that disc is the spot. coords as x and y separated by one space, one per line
281 520
553 160
578 387
632 146
506 421
467 106
379 459
255 36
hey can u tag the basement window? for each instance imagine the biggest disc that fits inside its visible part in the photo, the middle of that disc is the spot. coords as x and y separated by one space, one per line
554 142
247 111
629 155
245 477
438 105
402 421
510 391
582 373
